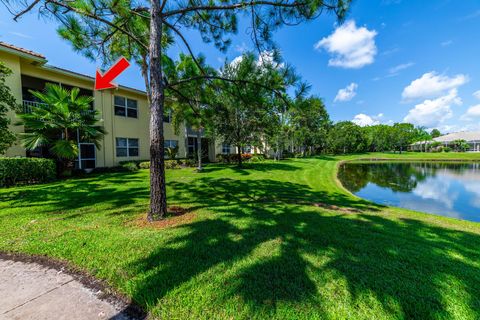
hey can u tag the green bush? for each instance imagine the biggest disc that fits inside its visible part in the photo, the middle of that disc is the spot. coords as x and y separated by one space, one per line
257 158
188 163
144 165
15 171
287 154
172 164
130 166
227 158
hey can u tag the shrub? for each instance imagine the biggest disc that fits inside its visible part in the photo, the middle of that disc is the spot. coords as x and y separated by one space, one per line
172 164
447 149
226 158
171 152
257 158
287 154
15 171
130 166
246 156
188 163
144 165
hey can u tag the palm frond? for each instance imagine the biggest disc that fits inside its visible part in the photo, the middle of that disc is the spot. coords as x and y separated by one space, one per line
65 149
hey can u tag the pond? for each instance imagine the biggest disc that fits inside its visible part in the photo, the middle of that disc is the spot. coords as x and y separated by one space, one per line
447 189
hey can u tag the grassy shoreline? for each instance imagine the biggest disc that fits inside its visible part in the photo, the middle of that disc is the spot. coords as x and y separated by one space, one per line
273 240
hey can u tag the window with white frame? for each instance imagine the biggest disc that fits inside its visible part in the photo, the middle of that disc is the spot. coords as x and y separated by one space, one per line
127 147
167 116
170 143
226 148
125 107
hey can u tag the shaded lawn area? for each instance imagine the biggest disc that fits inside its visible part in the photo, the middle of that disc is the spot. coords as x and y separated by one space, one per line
272 240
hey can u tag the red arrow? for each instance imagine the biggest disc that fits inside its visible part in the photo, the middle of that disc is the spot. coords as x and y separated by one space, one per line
104 81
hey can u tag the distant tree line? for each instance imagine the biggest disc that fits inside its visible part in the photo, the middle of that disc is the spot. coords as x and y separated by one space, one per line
348 137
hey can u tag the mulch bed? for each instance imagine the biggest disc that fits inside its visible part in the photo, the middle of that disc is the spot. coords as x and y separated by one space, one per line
176 216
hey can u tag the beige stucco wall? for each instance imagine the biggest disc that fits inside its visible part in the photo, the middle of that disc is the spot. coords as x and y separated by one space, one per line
116 126
14 82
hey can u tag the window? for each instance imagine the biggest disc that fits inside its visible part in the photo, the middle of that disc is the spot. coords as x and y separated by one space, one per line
247 149
127 147
167 116
192 145
226 148
87 156
170 143
125 107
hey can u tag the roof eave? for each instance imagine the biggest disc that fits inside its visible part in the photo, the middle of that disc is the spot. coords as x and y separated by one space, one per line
22 54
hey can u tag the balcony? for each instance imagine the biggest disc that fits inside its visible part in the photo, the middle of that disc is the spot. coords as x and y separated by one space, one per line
28 105
193 133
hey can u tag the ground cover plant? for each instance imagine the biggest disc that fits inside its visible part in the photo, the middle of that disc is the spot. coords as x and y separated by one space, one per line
277 240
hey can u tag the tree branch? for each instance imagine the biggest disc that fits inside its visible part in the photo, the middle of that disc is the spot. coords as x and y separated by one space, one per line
186 44
241 5
84 13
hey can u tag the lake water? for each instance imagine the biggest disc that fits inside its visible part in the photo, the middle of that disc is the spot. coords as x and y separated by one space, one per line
447 189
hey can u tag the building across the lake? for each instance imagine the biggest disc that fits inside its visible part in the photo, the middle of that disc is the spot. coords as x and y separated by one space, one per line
448 140
124 112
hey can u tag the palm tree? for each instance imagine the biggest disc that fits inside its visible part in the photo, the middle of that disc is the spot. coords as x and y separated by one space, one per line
59 122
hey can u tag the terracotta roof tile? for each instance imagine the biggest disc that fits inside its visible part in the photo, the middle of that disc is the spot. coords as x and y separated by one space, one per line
11 46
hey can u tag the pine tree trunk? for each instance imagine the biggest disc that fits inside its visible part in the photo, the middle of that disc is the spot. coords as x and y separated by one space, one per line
199 149
158 198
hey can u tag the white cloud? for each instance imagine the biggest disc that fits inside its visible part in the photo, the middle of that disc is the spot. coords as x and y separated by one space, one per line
473 187
400 67
432 113
473 15
390 51
446 43
265 57
21 35
350 46
236 61
243 47
437 190
472 113
432 85
347 94
268 58
476 94
364 120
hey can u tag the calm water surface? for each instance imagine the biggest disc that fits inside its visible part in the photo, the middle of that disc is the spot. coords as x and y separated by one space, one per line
447 189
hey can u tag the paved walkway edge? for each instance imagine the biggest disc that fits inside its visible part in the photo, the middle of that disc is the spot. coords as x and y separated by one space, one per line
99 287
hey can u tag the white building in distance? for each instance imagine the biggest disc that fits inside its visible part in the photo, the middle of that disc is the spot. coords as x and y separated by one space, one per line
471 137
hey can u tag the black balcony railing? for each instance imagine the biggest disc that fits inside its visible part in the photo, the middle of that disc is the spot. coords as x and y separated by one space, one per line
28 105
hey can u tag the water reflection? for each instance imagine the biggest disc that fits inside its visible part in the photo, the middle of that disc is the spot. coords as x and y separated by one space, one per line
449 189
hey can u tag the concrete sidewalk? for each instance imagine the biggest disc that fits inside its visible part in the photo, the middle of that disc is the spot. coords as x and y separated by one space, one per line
32 291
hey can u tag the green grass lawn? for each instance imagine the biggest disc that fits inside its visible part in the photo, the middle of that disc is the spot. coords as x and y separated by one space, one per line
276 240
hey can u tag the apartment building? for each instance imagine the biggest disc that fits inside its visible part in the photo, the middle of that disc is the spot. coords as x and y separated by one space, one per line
124 112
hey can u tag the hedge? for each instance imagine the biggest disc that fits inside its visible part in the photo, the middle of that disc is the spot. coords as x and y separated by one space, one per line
15 171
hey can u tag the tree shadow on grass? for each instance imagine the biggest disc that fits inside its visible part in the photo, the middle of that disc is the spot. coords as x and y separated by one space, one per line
250 168
412 269
80 193
213 192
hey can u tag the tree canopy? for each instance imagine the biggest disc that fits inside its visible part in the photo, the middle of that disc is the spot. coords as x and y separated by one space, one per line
108 27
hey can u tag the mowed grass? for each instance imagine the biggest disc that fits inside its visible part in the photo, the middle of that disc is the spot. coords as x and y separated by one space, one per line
275 240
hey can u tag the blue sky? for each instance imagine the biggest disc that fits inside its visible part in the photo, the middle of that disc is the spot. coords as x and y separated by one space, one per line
391 61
